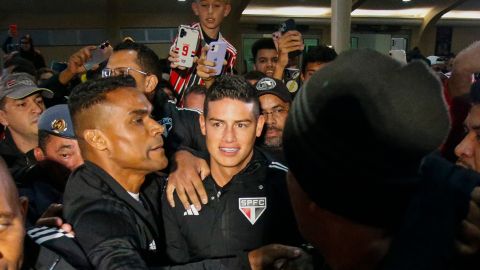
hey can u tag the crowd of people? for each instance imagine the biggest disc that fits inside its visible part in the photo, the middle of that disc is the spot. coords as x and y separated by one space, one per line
141 163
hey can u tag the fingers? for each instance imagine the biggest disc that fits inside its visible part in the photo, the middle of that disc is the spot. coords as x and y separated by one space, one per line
78 59
67 228
182 195
170 190
473 215
290 41
266 256
50 222
203 70
173 58
469 242
54 210
200 190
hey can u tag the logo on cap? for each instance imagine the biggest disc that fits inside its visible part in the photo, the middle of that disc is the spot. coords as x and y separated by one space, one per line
59 125
266 84
252 208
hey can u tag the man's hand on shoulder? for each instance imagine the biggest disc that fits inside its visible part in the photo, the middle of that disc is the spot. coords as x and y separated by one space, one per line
186 180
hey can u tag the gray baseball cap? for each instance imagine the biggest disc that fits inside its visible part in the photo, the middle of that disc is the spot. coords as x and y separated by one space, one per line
20 85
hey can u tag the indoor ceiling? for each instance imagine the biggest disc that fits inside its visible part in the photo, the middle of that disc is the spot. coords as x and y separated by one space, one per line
417 9
366 9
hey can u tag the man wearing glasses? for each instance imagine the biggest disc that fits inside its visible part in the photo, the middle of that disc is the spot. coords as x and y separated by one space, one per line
137 60
274 103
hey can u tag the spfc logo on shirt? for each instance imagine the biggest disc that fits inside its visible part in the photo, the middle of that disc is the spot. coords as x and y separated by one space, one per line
252 208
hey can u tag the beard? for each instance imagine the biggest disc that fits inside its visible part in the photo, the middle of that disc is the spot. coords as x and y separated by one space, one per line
273 141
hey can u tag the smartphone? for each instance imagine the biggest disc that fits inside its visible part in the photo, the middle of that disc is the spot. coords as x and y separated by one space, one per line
285 27
186 45
216 53
101 53
399 55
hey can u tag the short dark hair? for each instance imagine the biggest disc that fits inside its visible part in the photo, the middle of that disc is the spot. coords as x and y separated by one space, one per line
263 43
320 53
20 64
254 75
196 89
233 87
146 57
43 137
93 92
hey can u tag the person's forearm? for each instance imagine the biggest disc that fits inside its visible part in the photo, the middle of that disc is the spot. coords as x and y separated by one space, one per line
65 76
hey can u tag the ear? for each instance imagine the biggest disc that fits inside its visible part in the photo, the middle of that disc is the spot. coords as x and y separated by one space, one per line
302 77
202 124
38 153
96 139
150 84
195 7
23 201
260 123
228 8
3 118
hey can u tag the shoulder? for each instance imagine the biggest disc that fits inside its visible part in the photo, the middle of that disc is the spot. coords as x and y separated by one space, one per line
189 111
274 165
230 47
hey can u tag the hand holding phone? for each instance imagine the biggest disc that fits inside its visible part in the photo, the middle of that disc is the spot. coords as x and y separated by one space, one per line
216 54
288 25
101 53
186 45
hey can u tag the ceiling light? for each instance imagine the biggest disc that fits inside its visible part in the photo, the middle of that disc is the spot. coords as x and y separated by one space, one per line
406 1
395 13
295 11
462 14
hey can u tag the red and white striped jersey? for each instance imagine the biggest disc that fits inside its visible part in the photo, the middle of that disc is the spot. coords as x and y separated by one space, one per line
183 79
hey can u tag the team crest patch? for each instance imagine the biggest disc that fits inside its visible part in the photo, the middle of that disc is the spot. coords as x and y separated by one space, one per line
252 208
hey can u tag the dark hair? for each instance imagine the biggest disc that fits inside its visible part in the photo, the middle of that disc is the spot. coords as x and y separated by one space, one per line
43 137
233 87
263 43
29 39
146 57
196 89
475 93
20 64
320 53
253 75
93 92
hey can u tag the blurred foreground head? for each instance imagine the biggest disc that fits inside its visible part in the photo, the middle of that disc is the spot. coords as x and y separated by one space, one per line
354 141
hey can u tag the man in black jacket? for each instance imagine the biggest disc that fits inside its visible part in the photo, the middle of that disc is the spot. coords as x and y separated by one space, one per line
249 205
113 200
121 144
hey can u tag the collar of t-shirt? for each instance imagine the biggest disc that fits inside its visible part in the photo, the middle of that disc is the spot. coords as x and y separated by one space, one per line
136 196
208 39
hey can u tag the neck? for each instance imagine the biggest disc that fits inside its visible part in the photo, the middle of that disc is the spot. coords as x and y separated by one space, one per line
131 180
24 143
212 33
222 174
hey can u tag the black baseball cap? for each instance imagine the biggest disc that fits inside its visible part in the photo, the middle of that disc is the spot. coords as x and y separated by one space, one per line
275 87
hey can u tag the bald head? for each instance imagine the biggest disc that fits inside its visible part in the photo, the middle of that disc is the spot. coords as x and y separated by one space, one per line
8 190
12 213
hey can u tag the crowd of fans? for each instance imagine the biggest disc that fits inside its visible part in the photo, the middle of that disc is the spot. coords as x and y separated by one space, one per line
141 163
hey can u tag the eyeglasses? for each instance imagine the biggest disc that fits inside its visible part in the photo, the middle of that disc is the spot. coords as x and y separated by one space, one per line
275 112
120 71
